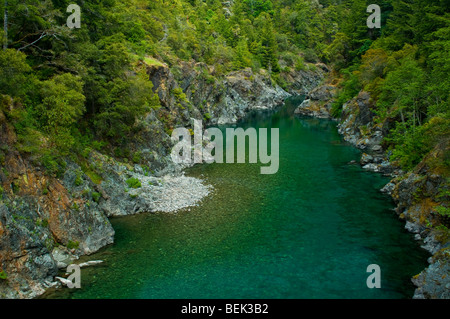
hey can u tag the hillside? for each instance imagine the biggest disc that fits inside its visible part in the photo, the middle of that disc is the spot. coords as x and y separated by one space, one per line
84 111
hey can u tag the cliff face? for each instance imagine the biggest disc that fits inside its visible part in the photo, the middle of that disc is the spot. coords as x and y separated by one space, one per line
38 214
220 100
417 193
46 222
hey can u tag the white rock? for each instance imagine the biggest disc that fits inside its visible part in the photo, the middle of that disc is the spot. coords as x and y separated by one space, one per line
90 263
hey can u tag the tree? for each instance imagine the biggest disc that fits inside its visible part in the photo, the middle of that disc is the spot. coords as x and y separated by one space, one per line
62 106
242 58
439 65
13 72
338 51
269 48
403 91
128 99
256 7
5 25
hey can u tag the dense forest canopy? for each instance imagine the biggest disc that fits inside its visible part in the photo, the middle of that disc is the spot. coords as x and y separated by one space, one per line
81 88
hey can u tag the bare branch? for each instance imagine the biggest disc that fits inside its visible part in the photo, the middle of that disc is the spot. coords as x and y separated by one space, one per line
43 35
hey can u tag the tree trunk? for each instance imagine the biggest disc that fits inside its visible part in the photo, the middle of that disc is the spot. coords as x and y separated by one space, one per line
5 26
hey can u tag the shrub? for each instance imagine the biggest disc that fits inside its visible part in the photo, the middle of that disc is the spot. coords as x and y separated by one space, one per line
3 275
78 180
179 95
73 244
137 157
96 196
133 183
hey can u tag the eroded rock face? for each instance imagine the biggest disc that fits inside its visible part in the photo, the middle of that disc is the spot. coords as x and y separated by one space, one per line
417 195
37 213
434 282
224 99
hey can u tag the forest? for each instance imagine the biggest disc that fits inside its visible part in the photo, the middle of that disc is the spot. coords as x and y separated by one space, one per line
85 88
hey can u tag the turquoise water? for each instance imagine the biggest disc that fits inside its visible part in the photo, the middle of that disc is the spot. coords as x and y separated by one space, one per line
309 231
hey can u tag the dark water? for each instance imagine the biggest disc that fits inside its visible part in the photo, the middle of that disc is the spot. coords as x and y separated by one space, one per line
309 231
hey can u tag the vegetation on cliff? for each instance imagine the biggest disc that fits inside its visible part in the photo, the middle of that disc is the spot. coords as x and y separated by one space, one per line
86 88
405 67
69 91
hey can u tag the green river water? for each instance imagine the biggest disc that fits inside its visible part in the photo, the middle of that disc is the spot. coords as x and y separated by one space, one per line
309 231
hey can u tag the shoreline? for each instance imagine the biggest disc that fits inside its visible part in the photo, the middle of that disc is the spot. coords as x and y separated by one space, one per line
433 282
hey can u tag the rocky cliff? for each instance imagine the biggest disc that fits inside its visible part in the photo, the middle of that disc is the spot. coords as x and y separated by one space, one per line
48 222
40 217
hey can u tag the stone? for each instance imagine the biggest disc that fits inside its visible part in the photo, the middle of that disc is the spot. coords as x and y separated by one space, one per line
62 256
366 159
377 148
90 263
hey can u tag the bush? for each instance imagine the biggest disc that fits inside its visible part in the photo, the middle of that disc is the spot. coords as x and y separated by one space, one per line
78 180
3 275
137 157
73 244
134 183
310 56
179 95
96 196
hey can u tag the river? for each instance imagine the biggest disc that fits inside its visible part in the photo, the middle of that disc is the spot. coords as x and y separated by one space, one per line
309 231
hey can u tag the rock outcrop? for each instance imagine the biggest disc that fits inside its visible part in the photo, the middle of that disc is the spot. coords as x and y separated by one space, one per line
318 102
37 214
226 99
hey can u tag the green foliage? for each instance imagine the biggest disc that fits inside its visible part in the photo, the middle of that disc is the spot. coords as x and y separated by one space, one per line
443 211
13 73
73 244
79 90
54 164
256 7
349 89
137 157
78 179
96 196
3 275
180 95
95 177
134 183
75 206
62 106
404 68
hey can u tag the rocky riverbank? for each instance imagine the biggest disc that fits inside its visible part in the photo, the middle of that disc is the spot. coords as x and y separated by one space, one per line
416 193
49 221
